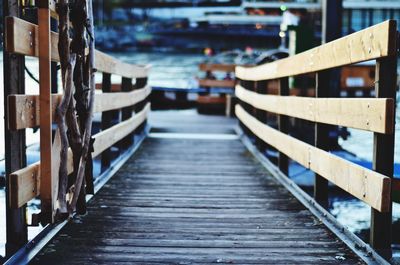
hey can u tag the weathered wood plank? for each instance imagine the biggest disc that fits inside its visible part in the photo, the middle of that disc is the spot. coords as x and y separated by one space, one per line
25 183
24 110
47 181
370 114
217 67
144 215
367 185
216 83
18 29
374 42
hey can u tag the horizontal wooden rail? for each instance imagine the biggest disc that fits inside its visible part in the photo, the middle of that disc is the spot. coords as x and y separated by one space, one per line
217 67
367 185
216 83
371 114
25 183
368 44
22 37
24 110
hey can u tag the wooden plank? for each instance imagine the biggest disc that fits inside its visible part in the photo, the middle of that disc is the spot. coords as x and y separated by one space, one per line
175 224
368 44
16 230
106 138
25 184
367 185
217 67
47 185
321 133
106 122
383 157
216 83
368 114
24 110
211 100
114 87
18 29
283 125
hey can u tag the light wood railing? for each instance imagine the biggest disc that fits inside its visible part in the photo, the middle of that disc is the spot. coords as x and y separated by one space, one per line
376 115
29 111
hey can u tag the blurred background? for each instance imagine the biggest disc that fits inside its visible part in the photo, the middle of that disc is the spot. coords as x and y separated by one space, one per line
176 36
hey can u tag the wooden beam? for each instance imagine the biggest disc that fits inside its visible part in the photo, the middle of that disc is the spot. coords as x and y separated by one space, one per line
383 156
283 125
368 114
321 138
368 44
14 141
217 67
18 29
47 185
216 83
113 87
25 183
24 110
367 185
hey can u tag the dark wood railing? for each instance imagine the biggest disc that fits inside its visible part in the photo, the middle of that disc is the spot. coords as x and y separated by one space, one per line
376 115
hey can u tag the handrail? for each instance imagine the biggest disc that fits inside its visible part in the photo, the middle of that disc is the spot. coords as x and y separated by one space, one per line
18 29
25 111
370 114
359 113
368 44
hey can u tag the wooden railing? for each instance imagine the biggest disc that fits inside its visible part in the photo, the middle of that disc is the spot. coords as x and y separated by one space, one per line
376 115
205 101
29 111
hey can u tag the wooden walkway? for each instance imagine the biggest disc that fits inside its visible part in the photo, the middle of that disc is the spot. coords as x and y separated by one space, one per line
192 200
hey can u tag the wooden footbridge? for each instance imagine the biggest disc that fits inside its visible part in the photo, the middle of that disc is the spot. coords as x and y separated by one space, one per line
191 189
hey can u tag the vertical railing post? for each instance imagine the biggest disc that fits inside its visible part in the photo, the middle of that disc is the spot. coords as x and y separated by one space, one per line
15 149
106 122
261 115
321 140
126 113
383 157
249 85
141 83
47 184
283 125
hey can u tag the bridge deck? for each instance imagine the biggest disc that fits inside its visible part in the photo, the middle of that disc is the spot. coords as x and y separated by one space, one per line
184 199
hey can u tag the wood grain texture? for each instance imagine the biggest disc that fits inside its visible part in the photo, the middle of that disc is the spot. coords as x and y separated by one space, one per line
374 42
18 29
216 83
217 67
230 211
25 183
47 180
371 187
370 114
24 110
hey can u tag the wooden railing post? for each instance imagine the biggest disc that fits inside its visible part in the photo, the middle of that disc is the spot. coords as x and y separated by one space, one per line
321 138
261 115
247 85
140 83
106 121
47 184
126 113
383 157
15 155
283 125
